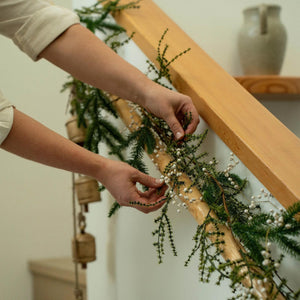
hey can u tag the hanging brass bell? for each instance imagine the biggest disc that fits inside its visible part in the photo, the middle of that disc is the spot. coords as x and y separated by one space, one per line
76 134
84 249
87 191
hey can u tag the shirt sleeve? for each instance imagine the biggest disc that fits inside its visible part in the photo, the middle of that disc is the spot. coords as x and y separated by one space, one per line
6 118
34 24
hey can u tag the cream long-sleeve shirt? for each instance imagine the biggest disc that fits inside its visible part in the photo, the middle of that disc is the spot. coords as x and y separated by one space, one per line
32 25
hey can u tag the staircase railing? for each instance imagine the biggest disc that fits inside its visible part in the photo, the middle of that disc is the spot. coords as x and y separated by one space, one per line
267 148
261 141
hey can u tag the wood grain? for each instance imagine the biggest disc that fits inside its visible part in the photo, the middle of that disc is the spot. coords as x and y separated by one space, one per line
261 141
270 84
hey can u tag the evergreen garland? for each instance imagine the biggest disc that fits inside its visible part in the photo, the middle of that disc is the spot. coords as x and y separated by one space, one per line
221 190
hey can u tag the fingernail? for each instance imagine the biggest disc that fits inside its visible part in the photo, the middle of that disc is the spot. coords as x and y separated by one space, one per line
159 180
178 135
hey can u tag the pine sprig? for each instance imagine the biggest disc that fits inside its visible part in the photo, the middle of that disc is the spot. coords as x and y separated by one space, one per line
221 190
164 227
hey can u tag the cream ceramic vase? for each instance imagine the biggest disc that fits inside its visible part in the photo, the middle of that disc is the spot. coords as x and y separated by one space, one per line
262 41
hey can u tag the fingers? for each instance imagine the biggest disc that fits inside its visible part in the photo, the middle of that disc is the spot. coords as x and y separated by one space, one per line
175 126
190 109
146 180
152 199
175 118
149 201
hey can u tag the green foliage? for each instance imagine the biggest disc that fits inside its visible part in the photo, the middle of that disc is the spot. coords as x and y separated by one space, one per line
163 72
164 226
96 17
221 190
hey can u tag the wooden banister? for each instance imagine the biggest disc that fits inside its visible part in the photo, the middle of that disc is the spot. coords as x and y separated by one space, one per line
262 142
198 209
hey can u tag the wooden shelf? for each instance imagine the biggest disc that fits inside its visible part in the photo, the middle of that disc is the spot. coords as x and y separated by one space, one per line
270 84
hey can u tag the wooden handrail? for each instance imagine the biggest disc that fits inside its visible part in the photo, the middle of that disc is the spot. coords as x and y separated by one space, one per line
261 141
198 209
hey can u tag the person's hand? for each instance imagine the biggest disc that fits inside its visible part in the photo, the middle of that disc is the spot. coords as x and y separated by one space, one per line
120 179
171 106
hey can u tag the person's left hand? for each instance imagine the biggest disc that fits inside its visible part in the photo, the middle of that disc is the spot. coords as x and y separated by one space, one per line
121 179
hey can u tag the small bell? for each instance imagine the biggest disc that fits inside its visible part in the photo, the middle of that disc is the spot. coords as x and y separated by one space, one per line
84 249
87 191
76 134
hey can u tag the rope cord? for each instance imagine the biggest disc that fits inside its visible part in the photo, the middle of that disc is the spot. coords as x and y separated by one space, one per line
77 291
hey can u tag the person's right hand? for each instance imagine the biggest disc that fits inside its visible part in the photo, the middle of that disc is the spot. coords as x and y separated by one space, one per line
120 179
170 106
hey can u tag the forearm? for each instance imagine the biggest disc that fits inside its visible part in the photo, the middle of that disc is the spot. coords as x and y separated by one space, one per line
31 140
83 55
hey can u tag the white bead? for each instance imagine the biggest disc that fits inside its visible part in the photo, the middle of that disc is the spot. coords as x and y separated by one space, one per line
288 226
203 169
269 221
277 265
266 262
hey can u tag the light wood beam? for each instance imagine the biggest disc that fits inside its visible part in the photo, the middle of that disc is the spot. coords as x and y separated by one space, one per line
261 141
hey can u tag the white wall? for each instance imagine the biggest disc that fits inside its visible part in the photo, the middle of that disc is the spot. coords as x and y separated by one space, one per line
35 214
126 267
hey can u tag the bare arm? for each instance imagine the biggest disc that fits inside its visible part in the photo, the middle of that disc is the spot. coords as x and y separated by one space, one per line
31 140
87 58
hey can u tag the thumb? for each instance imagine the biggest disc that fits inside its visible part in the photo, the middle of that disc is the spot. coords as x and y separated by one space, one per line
149 181
175 127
